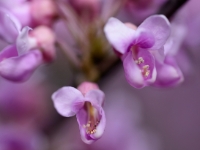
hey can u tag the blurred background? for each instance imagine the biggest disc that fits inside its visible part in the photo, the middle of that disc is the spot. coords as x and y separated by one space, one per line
152 118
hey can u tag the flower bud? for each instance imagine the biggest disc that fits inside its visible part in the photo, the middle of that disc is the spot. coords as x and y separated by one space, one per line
87 86
130 25
45 41
43 12
86 9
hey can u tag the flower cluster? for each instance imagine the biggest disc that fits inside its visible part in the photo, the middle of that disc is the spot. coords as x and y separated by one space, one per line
28 49
81 41
86 103
143 50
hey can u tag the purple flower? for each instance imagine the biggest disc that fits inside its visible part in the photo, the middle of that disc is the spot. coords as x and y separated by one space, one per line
138 10
21 137
18 60
168 71
27 102
138 48
18 8
87 10
86 103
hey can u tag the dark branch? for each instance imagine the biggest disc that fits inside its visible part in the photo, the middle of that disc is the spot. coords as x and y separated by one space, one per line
171 7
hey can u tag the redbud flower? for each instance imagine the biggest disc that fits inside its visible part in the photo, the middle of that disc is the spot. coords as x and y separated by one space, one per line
18 8
19 60
168 71
14 137
86 103
138 48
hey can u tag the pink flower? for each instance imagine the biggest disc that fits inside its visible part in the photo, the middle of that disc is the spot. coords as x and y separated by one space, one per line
138 10
43 12
15 137
138 48
86 103
168 71
18 8
19 60
88 10
45 39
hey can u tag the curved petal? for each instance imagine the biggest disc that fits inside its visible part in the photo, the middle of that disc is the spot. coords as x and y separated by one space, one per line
82 117
9 26
150 61
168 73
24 42
159 54
95 96
132 72
119 35
144 39
159 26
68 101
20 68
101 126
9 51
11 3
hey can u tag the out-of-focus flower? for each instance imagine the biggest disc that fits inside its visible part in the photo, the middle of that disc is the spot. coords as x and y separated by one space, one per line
168 71
188 16
43 12
139 47
27 103
18 8
31 13
21 138
19 60
138 10
86 9
45 39
86 103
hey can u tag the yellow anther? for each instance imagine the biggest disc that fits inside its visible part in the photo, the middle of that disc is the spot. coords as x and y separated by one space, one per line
147 73
145 70
146 67
140 60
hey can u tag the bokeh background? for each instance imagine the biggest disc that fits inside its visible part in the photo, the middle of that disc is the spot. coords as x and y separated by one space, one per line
151 118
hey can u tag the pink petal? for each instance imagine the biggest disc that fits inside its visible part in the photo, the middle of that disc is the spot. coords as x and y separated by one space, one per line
119 35
9 51
20 68
68 101
132 72
9 26
144 39
101 126
82 117
169 74
150 61
24 42
159 26
95 97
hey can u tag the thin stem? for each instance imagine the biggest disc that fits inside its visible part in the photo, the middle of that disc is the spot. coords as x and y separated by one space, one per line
69 54
171 7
